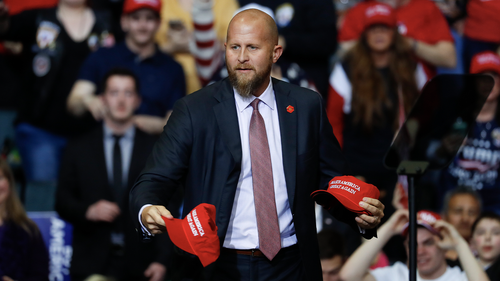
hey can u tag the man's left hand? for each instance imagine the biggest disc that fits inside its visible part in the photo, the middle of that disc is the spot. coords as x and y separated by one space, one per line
155 271
450 235
376 208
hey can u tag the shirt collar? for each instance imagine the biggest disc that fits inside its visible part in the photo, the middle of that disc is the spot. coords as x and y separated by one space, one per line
129 133
133 55
267 98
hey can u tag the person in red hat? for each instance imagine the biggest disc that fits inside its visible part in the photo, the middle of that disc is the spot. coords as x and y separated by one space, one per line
254 147
419 21
434 238
476 164
371 91
161 78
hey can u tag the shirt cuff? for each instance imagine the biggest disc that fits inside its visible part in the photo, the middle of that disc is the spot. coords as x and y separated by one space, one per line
143 228
361 230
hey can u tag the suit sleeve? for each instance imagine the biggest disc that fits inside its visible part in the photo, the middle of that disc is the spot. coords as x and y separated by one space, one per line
69 204
332 161
167 164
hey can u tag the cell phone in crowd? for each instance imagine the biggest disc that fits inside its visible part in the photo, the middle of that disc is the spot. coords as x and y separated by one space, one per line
176 24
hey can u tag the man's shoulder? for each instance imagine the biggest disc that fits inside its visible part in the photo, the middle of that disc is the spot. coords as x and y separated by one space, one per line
454 273
79 142
106 52
397 271
220 89
165 60
144 139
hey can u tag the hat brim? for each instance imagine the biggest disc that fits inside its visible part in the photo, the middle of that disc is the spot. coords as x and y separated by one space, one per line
429 227
177 234
137 7
324 197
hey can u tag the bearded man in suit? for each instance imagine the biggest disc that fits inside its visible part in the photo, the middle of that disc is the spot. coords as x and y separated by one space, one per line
255 148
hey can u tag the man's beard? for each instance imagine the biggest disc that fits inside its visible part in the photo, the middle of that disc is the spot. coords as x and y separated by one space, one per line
246 87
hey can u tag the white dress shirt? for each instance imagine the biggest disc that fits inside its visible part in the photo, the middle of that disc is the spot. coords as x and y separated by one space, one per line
242 231
126 146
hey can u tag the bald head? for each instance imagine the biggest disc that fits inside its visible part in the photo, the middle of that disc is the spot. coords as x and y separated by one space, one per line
251 49
253 18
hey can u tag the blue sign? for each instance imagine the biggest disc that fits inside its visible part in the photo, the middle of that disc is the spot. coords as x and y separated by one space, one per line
57 235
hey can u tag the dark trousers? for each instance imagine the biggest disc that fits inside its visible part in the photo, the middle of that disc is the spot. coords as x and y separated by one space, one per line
287 265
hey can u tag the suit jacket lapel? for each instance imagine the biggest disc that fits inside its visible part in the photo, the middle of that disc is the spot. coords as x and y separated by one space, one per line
288 129
227 119
101 171
135 167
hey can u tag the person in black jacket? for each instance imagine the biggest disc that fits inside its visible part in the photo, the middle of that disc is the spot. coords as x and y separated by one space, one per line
217 147
97 171
55 42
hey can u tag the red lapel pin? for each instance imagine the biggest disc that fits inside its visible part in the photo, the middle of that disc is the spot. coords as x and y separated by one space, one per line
290 109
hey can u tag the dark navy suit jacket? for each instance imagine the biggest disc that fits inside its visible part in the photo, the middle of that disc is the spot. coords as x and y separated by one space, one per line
200 149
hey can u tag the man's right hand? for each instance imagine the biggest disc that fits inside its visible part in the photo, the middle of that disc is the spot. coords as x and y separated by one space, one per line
397 222
103 210
95 105
151 218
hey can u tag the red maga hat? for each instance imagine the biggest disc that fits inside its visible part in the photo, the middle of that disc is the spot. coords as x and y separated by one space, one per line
133 5
427 220
485 61
379 13
348 191
196 233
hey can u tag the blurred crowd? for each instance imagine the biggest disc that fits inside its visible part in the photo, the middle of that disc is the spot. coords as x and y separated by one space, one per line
86 87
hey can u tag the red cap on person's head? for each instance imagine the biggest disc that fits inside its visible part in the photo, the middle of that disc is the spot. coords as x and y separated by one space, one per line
426 219
133 5
379 13
348 191
485 61
196 233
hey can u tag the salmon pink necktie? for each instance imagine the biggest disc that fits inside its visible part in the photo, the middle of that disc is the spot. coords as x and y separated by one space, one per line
263 186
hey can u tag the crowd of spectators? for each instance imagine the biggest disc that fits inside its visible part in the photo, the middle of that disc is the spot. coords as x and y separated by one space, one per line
87 86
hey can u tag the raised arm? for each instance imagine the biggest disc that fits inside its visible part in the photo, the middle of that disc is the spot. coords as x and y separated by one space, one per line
453 240
82 98
356 267
151 124
440 54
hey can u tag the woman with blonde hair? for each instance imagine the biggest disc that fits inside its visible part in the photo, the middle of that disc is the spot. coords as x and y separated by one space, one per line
23 255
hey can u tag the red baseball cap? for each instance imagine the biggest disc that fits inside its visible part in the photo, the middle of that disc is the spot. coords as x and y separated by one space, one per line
196 233
133 5
348 191
426 219
485 61
378 13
